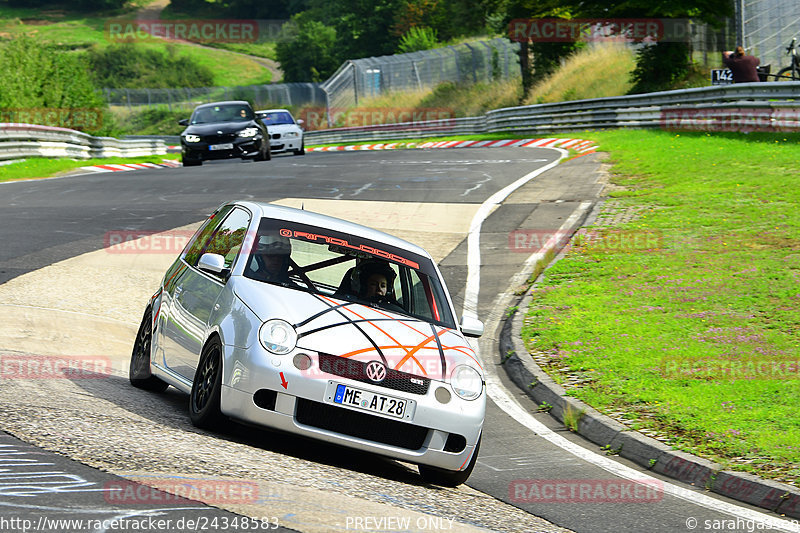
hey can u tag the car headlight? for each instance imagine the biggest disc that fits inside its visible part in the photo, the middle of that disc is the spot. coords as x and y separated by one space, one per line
248 132
466 382
291 134
277 336
191 138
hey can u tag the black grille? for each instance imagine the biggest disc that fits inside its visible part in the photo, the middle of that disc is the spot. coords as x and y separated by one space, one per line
219 139
360 425
276 135
356 370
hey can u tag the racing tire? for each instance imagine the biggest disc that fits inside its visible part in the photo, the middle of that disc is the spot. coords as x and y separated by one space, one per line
785 74
301 151
139 371
204 399
449 478
192 162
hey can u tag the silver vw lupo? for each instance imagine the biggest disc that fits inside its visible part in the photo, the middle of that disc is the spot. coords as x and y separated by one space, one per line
316 326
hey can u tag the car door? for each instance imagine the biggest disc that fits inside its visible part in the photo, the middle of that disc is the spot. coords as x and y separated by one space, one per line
192 252
196 292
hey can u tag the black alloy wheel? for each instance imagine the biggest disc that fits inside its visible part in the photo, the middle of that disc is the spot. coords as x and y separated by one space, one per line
139 370
204 400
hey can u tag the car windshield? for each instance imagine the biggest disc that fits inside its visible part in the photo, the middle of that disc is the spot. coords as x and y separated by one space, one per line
347 267
277 117
222 113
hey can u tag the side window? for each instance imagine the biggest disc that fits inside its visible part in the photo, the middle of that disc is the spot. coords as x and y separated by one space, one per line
200 240
420 299
227 240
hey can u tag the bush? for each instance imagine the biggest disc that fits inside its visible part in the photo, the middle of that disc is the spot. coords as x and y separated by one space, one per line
130 66
417 38
660 67
46 86
153 121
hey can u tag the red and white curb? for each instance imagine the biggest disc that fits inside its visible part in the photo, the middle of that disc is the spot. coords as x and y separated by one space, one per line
123 167
579 145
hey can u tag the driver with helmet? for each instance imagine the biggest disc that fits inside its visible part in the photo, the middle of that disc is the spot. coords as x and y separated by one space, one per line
270 260
373 280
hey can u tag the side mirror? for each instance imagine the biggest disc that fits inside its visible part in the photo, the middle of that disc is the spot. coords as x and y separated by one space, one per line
471 327
183 122
212 263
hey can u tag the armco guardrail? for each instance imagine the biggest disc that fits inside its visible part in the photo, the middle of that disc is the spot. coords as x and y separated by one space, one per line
30 140
742 107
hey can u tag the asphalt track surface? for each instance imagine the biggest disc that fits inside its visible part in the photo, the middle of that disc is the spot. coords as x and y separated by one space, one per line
45 221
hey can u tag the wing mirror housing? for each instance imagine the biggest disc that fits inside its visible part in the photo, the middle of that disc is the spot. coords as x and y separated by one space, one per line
212 263
471 327
183 122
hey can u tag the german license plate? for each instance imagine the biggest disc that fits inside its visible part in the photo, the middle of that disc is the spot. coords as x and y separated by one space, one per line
226 146
370 401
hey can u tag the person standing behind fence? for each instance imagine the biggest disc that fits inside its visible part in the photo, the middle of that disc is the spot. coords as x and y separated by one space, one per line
742 66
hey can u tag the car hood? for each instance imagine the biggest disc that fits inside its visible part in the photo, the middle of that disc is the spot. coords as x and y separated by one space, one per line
359 332
212 128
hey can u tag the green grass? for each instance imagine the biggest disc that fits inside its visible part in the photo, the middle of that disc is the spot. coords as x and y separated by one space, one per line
81 31
46 167
670 326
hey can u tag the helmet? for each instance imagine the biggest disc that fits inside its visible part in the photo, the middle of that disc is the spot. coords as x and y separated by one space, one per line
366 268
273 245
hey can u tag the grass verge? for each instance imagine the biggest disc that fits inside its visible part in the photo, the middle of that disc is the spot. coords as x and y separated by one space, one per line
677 311
48 167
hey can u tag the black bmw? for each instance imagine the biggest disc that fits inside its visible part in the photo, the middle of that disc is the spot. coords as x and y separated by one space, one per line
223 130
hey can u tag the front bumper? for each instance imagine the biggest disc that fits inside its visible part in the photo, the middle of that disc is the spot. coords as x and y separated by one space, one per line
242 148
281 143
438 435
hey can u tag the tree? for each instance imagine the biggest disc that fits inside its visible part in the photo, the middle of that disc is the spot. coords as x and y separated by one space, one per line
264 9
539 58
307 50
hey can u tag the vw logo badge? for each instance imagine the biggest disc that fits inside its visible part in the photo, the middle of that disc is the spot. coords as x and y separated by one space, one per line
376 371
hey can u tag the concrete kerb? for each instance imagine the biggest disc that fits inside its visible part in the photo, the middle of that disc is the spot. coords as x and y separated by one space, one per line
616 438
